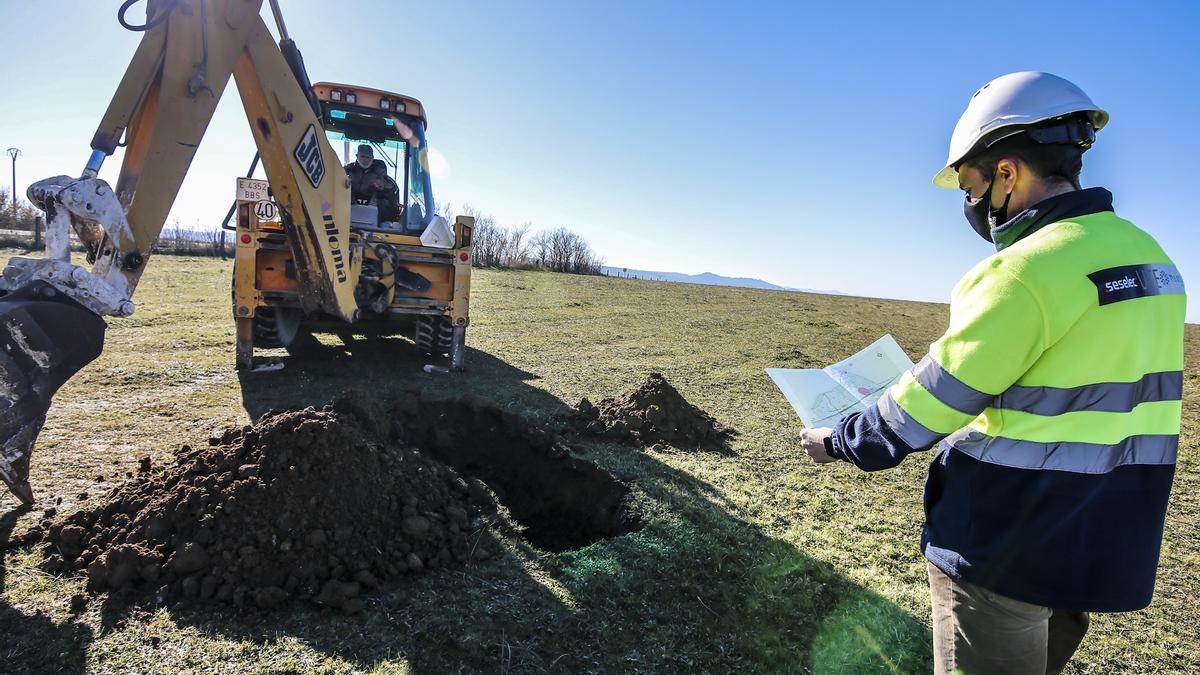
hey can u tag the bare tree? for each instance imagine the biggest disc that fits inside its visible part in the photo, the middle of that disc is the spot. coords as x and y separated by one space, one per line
563 250
487 238
515 252
19 216
558 250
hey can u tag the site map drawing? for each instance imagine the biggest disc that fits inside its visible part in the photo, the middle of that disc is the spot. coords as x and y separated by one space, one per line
822 397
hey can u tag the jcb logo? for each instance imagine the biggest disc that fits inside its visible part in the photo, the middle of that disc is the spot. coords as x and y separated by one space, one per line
308 154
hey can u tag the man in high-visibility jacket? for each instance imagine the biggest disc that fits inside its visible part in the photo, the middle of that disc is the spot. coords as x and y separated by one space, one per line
1054 398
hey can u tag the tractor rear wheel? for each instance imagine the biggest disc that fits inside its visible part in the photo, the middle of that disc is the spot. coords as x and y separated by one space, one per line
278 327
434 334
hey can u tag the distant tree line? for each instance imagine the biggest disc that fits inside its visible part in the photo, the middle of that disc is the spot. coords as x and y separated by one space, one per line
17 223
509 247
514 247
19 216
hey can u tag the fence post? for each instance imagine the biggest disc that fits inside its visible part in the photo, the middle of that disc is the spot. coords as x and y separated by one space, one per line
37 232
223 255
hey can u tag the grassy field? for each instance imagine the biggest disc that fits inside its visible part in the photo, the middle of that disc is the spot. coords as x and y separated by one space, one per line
755 562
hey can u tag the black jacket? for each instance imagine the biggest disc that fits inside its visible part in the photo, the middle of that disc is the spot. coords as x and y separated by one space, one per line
364 183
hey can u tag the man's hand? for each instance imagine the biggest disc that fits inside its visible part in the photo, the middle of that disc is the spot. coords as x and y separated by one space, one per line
813 442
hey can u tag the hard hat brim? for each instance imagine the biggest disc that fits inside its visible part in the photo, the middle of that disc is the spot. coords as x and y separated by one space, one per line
946 178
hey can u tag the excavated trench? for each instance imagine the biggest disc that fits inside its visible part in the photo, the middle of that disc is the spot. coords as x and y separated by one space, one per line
318 505
562 502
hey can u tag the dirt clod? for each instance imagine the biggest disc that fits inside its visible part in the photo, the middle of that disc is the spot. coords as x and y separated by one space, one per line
78 603
653 414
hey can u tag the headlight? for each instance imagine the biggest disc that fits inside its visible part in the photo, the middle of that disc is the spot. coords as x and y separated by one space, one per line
351 97
385 104
335 95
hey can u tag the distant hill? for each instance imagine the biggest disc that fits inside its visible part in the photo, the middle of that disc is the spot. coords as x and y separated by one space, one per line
707 278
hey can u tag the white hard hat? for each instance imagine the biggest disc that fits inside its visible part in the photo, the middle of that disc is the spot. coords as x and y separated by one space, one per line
1013 100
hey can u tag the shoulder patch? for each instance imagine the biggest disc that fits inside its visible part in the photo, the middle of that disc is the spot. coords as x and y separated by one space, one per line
1136 281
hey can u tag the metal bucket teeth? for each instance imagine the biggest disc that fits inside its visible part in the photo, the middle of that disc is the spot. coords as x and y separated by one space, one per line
14 461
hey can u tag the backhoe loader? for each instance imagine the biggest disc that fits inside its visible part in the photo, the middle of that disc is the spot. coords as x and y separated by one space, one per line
310 254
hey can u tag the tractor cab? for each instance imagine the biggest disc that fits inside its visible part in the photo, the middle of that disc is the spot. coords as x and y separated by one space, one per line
395 194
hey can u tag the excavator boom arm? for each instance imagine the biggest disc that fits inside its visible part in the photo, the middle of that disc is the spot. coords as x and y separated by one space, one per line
163 106
50 309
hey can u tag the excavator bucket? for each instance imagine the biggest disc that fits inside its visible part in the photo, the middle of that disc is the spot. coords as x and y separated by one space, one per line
45 338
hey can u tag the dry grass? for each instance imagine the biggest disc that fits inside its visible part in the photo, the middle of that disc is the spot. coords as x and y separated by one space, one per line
758 562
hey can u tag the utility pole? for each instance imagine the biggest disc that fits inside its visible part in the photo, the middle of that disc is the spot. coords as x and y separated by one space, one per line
14 153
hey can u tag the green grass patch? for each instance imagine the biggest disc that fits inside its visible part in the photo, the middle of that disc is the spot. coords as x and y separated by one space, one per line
756 562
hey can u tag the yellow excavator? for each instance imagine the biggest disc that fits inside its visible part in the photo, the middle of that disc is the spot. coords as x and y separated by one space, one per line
311 252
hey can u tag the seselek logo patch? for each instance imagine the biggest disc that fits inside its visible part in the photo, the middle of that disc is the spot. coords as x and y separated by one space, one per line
1136 281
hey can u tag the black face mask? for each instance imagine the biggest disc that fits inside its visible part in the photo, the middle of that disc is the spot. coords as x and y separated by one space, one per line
980 214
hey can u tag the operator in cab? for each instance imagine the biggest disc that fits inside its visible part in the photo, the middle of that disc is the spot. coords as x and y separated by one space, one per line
371 184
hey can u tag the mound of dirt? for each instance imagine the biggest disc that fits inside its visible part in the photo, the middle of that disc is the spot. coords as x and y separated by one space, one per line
312 505
320 504
653 413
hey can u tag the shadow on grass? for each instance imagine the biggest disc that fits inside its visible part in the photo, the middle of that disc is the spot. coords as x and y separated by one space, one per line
384 368
696 589
34 643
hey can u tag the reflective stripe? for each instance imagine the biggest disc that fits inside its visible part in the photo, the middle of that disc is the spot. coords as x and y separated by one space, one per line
1119 397
912 432
1093 458
1106 428
949 389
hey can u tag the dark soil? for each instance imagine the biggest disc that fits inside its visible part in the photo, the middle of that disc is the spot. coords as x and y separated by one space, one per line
562 502
653 413
318 505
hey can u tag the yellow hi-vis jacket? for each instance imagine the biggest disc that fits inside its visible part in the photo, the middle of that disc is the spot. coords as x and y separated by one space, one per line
1055 396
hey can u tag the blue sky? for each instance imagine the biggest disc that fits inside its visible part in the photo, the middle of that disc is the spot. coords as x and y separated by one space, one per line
794 142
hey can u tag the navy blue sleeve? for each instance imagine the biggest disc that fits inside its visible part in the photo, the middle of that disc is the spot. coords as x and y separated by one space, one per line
866 441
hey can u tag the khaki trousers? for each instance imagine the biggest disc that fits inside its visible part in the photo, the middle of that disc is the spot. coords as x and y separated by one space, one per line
978 632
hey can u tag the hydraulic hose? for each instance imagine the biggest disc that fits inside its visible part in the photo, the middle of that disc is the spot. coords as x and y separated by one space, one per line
150 23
